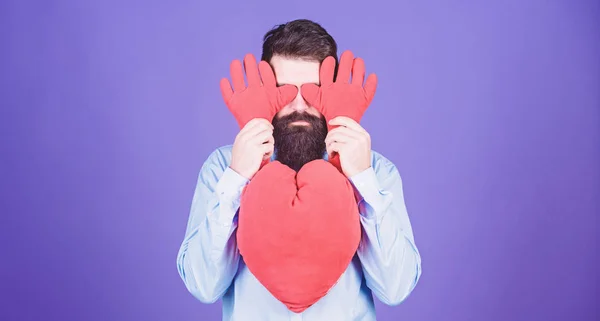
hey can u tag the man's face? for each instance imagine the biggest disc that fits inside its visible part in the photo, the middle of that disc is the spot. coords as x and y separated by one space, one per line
296 72
300 129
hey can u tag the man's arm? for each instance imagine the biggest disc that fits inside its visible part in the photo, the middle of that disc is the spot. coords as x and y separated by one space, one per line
390 259
208 257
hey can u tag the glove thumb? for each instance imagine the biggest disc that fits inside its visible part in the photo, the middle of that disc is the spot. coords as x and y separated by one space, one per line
287 93
310 93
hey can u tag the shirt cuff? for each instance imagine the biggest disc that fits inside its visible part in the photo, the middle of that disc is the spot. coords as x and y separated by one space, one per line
231 183
230 188
366 185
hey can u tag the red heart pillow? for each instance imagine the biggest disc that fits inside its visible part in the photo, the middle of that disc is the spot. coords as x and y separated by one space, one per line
298 232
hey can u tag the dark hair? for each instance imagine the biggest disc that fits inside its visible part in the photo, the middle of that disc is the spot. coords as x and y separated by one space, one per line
302 39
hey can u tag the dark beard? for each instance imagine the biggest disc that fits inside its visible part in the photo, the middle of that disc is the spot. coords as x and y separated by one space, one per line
299 144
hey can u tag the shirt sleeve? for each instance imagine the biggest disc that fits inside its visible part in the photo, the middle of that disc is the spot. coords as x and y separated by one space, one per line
390 259
208 257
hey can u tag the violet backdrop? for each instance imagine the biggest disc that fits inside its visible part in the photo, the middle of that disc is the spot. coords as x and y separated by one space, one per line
490 110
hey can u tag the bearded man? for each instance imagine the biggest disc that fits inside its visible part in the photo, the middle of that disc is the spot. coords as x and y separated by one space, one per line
299 112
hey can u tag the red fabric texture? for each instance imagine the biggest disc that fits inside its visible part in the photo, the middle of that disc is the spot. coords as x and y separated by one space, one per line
261 98
344 96
298 232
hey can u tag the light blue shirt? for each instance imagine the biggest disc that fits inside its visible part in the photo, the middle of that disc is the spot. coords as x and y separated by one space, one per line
387 262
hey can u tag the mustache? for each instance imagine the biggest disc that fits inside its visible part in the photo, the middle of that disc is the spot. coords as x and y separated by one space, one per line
282 123
298 116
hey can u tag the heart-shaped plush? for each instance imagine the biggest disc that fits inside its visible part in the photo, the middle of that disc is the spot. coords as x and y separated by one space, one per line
298 232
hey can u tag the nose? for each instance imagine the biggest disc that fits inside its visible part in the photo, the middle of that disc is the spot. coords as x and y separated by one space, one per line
299 104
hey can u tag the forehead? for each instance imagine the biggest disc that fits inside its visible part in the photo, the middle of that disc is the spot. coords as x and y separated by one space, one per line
294 71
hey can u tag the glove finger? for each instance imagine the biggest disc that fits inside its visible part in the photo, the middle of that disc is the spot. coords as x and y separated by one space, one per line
251 70
237 75
266 74
358 72
371 87
327 71
343 75
226 90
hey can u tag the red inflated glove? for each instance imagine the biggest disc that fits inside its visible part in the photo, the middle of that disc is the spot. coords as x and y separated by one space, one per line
261 98
298 232
344 97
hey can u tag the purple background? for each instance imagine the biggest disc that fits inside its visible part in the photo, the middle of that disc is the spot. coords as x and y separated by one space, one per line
490 111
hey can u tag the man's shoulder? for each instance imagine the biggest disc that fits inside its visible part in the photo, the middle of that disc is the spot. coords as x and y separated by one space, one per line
224 150
220 156
378 158
381 164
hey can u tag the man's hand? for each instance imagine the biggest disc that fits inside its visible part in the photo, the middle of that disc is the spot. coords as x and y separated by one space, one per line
261 98
342 97
252 147
352 143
